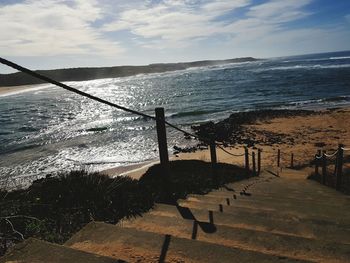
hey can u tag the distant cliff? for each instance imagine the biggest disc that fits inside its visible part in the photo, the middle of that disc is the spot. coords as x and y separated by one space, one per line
78 74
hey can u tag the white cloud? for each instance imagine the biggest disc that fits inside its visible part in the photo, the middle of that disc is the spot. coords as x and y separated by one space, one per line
53 27
176 21
347 18
269 20
139 31
280 11
172 23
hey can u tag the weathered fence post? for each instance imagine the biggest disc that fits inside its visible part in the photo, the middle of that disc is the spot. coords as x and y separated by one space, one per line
254 164
292 161
259 161
324 167
317 161
339 168
278 157
213 159
161 135
246 154
213 153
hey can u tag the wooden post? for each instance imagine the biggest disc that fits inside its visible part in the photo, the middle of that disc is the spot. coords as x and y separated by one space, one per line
324 167
317 161
292 161
161 134
246 153
213 158
253 162
259 161
278 157
339 169
213 153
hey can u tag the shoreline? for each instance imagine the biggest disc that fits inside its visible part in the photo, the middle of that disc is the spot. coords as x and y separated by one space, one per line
297 133
13 90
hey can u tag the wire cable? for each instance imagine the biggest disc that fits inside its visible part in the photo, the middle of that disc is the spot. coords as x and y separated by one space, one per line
331 155
66 87
84 94
236 155
318 157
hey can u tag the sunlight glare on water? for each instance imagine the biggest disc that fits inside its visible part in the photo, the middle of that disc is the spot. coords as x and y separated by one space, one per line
50 129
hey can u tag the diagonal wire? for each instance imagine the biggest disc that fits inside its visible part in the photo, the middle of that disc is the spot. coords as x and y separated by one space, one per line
331 155
236 155
84 94
66 87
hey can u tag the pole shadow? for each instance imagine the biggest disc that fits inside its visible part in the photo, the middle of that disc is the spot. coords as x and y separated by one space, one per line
206 227
165 248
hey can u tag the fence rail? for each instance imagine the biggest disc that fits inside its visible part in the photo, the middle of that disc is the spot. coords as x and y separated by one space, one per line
322 159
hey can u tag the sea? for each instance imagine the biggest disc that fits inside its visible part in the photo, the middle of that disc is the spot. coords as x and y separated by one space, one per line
49 130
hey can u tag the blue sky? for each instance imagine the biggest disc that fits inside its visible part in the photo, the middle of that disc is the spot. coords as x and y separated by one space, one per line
47 34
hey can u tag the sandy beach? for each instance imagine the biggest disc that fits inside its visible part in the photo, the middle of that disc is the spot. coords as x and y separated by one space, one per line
300 135
4 91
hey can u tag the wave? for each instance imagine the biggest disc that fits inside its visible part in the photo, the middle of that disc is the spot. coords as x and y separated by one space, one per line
192 113
336 58
323 100
296 67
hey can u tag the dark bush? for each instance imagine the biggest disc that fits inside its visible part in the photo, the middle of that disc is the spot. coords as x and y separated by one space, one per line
55 208
186 177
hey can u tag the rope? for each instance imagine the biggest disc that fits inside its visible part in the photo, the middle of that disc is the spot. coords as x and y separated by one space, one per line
331 155
318 157
345 149
84 94
236 155
66 87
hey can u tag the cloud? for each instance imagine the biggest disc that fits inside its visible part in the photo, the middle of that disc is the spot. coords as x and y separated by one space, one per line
277 11
184 23
148 31
347 18
53 27
266 20
176 21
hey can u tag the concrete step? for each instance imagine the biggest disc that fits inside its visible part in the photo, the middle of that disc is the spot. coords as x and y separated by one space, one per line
34 250
290 187
250 194
261 222
140 246
267 211
277 204
332 213
258 241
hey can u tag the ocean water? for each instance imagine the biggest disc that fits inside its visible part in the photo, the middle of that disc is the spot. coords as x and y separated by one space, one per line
49 129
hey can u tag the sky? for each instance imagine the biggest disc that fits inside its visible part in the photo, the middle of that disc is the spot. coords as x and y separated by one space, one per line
49 34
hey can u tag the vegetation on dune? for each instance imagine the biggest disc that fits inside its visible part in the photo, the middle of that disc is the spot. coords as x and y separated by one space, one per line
55 208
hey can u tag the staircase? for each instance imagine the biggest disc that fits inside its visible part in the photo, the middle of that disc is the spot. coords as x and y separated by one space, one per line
269 218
